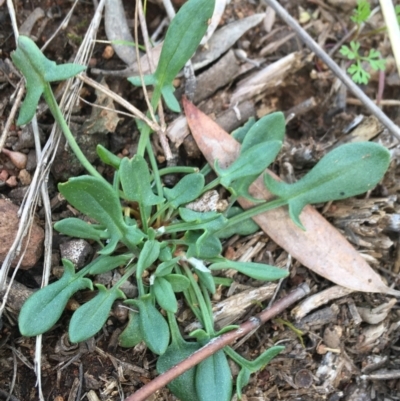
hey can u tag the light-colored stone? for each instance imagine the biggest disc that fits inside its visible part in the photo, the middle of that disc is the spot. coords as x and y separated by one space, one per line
8 229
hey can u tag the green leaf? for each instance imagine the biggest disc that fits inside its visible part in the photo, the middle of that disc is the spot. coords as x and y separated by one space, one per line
268 128
186 190
183 387
244 228
242 380
191 216
78 228
252 162
202 245
358 74
165 268
345 51
42 310
260 362
148 256
148 80
131 335
240 133
38 72
107 157
203 273
135 181
97 199
258 271
153 326
346 171
90 317
183 36
104 264
178 282
362 12
213 379
164 294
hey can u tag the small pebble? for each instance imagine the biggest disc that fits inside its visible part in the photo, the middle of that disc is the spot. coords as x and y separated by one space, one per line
24 177
108 52
12 181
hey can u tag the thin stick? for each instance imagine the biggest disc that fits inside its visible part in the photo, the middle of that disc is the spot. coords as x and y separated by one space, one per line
309 41
218 343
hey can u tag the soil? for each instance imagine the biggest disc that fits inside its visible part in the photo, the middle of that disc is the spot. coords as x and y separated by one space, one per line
336 346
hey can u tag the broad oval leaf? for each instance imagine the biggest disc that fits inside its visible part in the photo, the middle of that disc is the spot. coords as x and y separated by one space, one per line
249 163
96 198
183 387
258 271
148 256
186 190
214 379
132 334
165 268
78 228
153 326
346 171
178 282
268 128
42 310
135 181
165 295
89 318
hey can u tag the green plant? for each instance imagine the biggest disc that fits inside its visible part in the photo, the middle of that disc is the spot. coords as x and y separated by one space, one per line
358 73
168 248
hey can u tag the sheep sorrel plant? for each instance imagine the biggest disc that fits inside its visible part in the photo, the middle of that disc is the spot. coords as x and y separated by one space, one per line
156 236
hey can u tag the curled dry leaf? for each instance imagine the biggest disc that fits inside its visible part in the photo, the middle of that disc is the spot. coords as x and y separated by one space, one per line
321 247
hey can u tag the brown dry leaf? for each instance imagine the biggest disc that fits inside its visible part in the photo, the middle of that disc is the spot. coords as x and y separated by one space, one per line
321 247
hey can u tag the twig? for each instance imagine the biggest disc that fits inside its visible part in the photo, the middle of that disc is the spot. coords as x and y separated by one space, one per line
393 29
218 343
308 40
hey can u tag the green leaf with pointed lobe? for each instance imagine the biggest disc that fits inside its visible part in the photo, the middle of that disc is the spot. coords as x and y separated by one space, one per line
38 72
91 317
346 171
42 309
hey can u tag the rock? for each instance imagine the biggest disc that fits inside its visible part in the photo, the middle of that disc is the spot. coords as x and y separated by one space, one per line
9 222
77 251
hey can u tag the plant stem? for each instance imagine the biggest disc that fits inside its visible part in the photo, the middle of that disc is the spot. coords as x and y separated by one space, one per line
178 170
55 110
208 321
255 210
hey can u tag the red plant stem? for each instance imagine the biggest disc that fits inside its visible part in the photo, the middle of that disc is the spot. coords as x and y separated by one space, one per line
218 343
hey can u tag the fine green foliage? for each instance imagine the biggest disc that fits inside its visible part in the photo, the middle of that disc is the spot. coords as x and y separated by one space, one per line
357 71
362 12
153 236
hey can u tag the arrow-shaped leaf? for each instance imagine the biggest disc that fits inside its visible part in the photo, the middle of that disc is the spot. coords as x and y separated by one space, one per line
42 310
38 72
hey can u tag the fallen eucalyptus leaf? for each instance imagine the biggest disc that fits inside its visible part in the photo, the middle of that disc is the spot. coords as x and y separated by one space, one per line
321 247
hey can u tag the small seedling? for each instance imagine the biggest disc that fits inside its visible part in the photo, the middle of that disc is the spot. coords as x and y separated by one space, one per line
358 73
147 230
